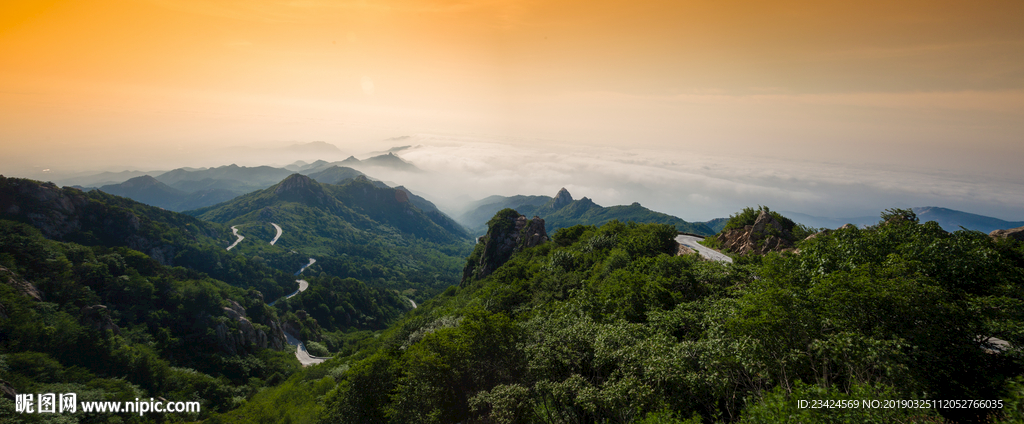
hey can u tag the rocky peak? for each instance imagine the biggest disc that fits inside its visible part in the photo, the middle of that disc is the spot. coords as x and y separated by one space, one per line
300 188
766 224
508 232
295 182
561 199
766 235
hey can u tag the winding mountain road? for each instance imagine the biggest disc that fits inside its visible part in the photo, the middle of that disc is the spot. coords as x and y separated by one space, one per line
300 348
311 262
300 352
707 252
303 284
234 229
279 231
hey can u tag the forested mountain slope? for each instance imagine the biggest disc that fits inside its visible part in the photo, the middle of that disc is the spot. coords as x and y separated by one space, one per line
116 300
604 324
111 323
358 229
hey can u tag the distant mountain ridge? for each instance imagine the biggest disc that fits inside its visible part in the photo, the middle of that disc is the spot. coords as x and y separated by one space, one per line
563 211
149 190
948 219
357 204
388 161
335 174
478 213
184 189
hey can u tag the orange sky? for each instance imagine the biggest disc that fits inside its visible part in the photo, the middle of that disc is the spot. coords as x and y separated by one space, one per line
937 82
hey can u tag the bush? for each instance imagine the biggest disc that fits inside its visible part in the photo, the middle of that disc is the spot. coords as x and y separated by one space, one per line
317 349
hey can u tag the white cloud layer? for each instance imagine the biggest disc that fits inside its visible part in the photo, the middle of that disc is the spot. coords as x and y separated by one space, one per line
694 186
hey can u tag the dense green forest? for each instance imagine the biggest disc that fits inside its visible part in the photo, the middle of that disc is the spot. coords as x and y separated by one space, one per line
114 324
604 324
114 300
355 230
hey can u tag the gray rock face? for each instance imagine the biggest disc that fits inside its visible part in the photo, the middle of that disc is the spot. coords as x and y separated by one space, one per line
562 198
766 235
683 250
1013 233
56 213
236 333
8 390
24 287
503 240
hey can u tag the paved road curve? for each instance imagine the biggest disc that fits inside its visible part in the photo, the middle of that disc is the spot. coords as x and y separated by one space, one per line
303 285
300 352
234 229
311 262
279 231
300 349
707 252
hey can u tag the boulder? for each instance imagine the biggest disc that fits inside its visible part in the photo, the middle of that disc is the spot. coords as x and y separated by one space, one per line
683 250
1013 233
766 235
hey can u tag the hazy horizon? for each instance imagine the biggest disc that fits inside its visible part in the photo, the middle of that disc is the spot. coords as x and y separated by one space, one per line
691 108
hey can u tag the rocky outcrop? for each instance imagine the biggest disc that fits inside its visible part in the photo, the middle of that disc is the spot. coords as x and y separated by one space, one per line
236 334
7 390
683 250
53 211
24 287
766 235
1013 233
508 232
98 317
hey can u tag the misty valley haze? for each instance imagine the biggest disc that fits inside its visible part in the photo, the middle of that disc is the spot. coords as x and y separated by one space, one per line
452 172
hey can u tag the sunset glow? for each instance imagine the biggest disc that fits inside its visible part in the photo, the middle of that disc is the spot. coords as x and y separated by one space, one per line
150 83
